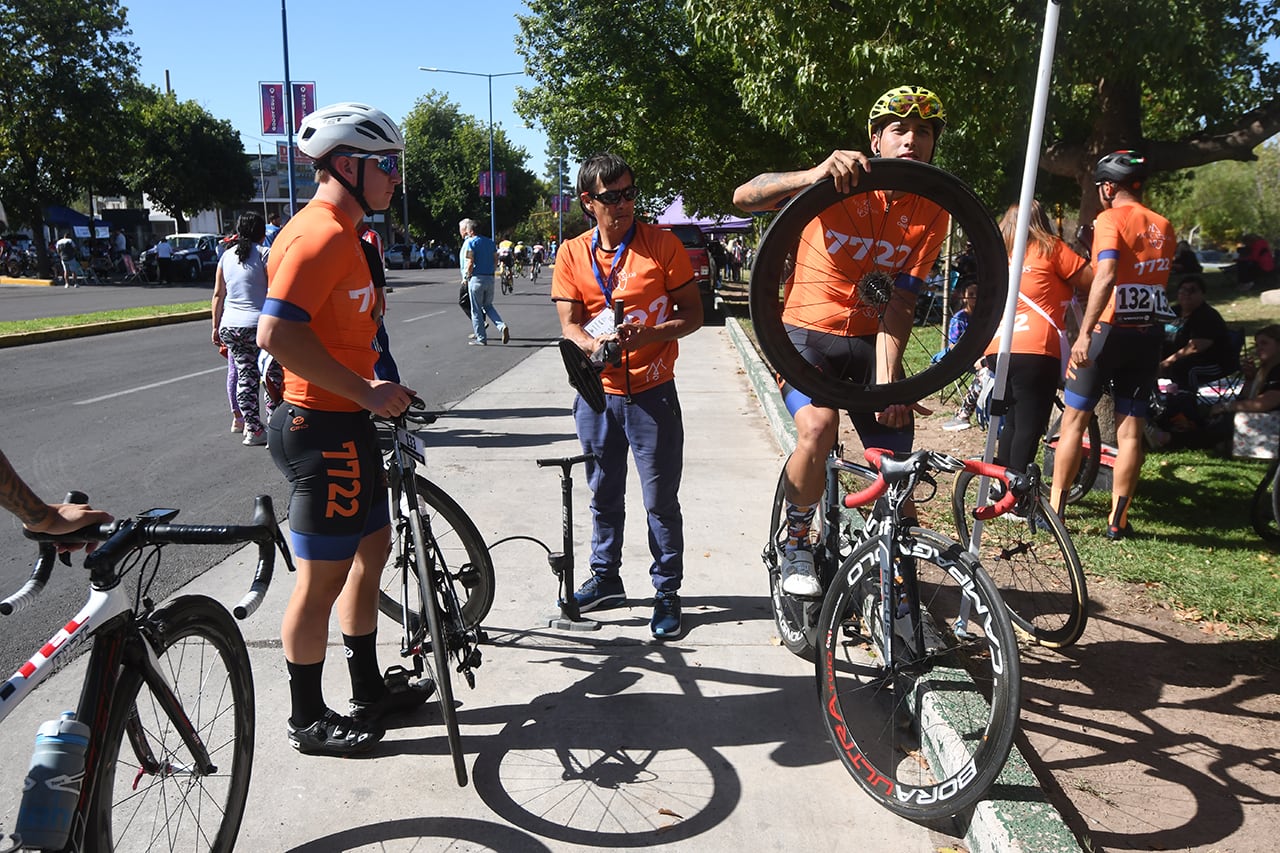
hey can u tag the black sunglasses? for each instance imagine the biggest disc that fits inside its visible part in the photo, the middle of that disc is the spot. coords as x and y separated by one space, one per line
612 197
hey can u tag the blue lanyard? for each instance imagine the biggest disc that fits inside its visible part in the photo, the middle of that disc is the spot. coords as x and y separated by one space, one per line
608 284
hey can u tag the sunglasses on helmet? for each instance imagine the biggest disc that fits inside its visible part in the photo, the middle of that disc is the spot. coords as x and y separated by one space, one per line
612 197
926 105
388 164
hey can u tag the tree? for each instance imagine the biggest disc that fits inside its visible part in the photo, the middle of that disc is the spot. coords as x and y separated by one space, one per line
1185 81
630 78
445 152
64 67
187 160
1220 202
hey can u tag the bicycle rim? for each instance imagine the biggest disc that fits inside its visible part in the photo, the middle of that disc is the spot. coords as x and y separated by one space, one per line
1090 459
1264 512
928 737
439 648
147 794
846 245
461 554
1033 563
795 618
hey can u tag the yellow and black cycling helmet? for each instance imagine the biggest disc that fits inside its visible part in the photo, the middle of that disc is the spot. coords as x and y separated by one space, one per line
902 101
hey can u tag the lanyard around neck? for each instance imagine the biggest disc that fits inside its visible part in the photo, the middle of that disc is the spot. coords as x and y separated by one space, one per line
607 284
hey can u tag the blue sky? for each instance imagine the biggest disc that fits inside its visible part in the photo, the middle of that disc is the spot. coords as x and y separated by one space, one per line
352 50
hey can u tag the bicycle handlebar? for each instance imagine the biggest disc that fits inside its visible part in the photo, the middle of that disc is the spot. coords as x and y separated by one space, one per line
893 468
152 528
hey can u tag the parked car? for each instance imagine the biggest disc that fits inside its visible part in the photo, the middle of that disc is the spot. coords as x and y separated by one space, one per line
195 256
439 257
1212 260
402 257
704 272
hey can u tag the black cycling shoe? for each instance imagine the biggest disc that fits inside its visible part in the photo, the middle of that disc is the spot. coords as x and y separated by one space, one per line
1115 534
333 734
401 696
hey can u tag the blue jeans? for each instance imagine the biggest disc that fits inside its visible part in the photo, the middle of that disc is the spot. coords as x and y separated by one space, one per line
481 289
651 425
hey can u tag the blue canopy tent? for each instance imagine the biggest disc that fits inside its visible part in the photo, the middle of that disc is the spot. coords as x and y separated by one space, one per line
58 218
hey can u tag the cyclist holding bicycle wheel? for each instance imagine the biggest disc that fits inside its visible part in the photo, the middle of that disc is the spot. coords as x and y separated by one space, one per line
319 321
832 327
1122 331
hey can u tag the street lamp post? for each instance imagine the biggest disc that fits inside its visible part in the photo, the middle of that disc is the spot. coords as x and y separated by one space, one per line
493 222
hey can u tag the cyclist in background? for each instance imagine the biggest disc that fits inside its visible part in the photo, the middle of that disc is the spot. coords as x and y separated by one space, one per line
319 321
904 122
1122 331
538 255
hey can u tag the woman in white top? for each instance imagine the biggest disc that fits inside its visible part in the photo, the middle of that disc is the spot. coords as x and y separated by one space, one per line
239 290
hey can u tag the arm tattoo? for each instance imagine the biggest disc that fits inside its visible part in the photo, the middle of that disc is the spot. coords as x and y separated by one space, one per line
17 497
769 187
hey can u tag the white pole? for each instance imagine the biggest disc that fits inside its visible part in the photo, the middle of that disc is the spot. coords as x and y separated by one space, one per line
1030 166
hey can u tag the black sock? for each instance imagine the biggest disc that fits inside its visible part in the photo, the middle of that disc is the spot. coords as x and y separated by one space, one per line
306 692
362 663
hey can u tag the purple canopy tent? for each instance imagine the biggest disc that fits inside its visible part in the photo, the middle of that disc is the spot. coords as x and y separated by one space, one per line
675 215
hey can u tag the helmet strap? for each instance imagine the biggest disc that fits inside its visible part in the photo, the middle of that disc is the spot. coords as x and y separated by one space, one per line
357 191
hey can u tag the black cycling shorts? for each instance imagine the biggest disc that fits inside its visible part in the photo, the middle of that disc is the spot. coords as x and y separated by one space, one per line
339 487
852 358
1126 356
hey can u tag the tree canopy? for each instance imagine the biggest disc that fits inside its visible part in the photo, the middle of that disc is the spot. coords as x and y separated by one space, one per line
187 160
700 95
445 152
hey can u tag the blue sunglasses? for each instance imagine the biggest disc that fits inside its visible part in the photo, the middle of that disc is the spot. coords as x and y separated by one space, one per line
388 164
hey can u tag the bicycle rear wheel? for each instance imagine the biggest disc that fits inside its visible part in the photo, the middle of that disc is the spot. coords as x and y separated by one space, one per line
847 246
148 794
461 554
1090 457
927 737
1033 563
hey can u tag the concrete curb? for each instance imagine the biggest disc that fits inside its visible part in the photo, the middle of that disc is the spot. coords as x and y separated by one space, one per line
1024 822
69 332
30 282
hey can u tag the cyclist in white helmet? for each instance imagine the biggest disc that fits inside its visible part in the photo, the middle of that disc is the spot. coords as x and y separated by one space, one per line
319 322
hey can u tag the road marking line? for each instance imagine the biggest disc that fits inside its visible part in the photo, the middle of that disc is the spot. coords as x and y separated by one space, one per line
149 387
422 317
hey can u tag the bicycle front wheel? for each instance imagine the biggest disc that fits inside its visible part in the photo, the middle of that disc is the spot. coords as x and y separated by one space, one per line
1033 563
927 736
1090 458
461 554
861 264
148 792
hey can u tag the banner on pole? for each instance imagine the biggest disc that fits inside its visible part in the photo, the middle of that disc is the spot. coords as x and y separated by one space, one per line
304 102
499 188
271 99
299 159
562 204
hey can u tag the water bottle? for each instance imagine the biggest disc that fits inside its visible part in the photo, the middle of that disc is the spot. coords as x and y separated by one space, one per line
52 786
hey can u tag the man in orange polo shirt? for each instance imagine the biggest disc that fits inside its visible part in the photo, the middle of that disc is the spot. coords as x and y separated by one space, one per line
648 271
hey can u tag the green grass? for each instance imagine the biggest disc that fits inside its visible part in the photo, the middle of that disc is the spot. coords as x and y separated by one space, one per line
16 327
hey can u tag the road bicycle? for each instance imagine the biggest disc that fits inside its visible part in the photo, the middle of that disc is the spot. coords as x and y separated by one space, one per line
534 270
906 222
508 281
921 715
1030 556
1091 454
167 692
438 582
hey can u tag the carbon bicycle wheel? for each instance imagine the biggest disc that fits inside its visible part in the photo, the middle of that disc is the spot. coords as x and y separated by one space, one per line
422 551
842 246
1090 457
1264 511
461 555
148 793
927 737
1033 562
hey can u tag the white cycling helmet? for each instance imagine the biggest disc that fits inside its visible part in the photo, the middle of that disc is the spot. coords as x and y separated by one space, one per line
350 127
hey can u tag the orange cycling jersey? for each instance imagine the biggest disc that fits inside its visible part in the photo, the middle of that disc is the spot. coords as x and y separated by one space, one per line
865 233
319 271
654 264
1044 283
1142 243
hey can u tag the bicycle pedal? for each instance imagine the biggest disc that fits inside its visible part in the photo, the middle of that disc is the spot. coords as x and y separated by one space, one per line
469 578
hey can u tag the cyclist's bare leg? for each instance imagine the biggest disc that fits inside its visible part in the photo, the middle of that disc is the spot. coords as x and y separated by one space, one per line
304 632
1066 460
358 603
1129 455
816 431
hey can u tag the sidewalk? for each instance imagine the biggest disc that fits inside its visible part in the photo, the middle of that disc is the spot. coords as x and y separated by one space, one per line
583 740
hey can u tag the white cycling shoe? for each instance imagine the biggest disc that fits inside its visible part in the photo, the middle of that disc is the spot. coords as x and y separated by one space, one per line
798 575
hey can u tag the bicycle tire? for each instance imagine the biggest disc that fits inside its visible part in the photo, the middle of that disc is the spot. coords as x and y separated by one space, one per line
927 739
917 188
1090 461
203 657
1034 565
461 552
1264 511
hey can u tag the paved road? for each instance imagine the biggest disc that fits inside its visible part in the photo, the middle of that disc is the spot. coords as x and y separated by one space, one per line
140 419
